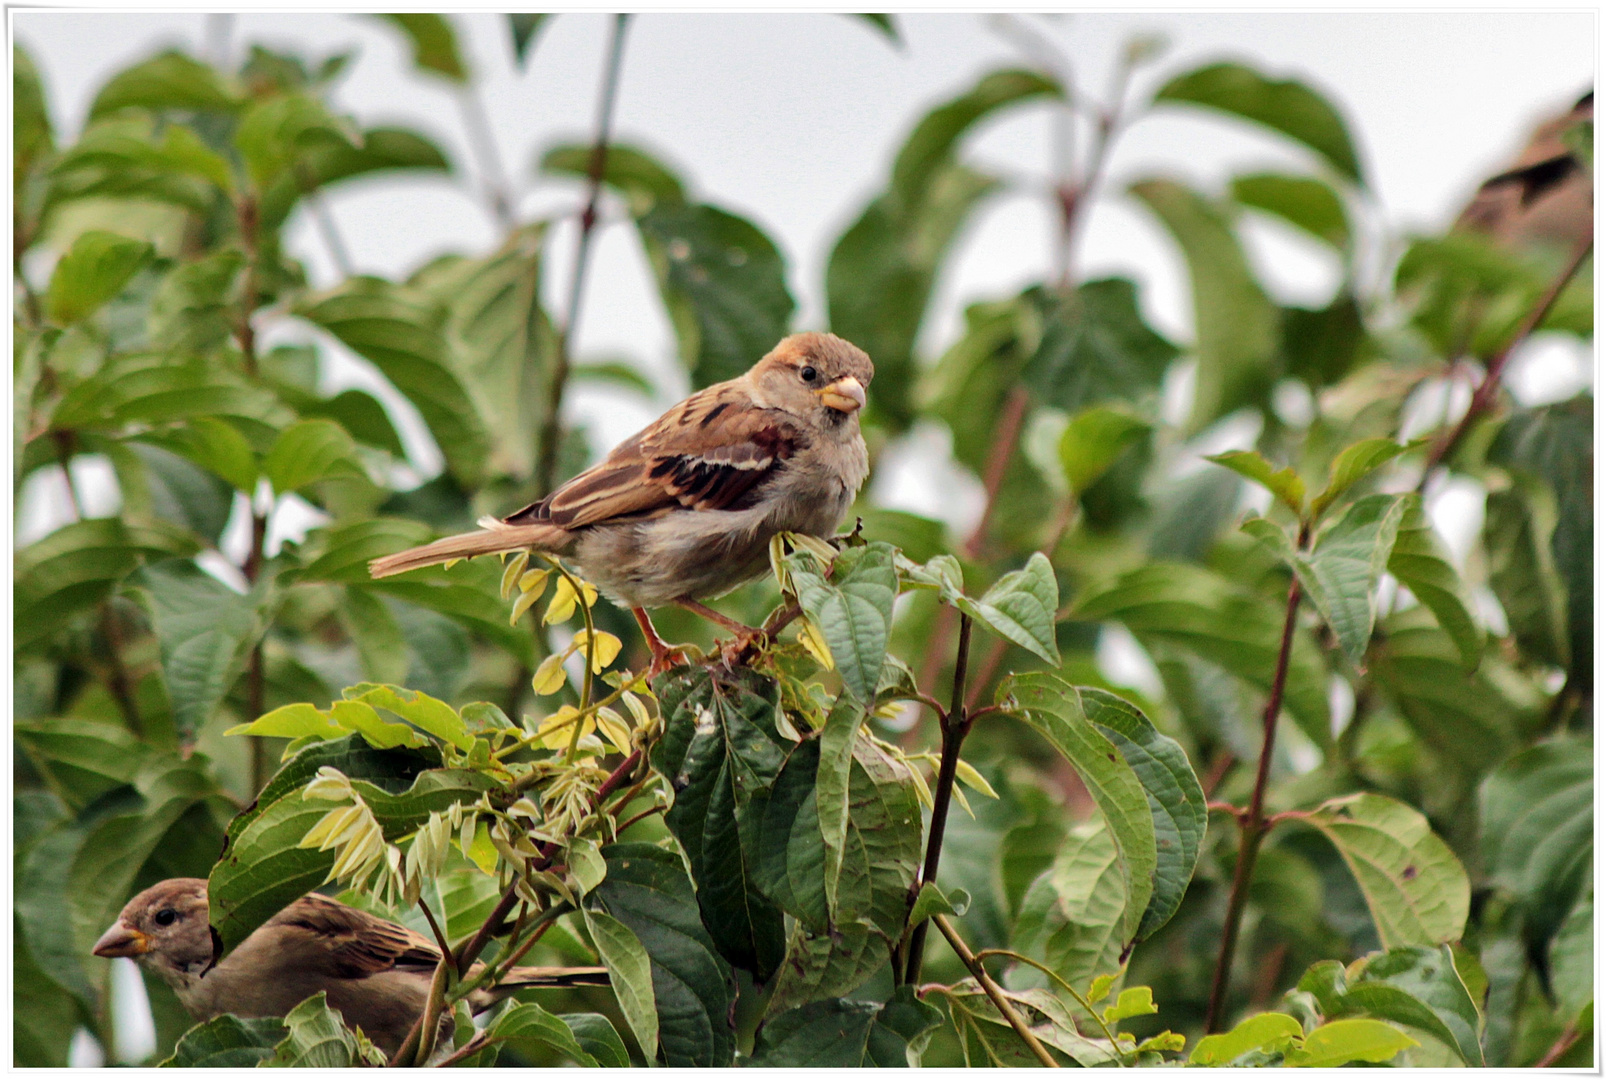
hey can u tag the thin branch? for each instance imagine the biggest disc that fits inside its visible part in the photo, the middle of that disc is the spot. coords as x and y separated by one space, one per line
255 677
547 460
1252 823
995 993
482 142
1483 397
470 1048
1569 1038
1087 1005
435 928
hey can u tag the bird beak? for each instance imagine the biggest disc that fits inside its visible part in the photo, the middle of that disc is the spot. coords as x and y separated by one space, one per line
845 395
122 940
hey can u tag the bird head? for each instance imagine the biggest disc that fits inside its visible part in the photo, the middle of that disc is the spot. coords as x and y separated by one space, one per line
816 376
166 925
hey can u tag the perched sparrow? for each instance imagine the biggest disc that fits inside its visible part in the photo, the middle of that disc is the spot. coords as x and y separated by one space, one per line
375 973
685 509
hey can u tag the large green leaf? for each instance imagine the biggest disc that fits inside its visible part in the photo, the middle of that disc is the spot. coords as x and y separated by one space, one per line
842 1034
1021 607
227 1042
1537 819
648 891
80 760
1202 612
719 749
92 271
1289 107
309 451
1414 885
1522 577
149 389
274 132
317 1038
1095 346
1235 323
1421 562
77 566
169 80
1071 917
1176 801
400 334
1056 710
1264 1033
1304 202
529 1028
433 41
205 630
1341 1042
326 162
852 609
45 1015
987 1039
1091 442
1419 986
881 271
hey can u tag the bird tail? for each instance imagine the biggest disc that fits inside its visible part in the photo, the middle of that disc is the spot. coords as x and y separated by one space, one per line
493 536
523 978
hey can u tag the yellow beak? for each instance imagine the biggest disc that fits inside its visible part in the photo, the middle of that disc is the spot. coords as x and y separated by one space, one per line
122 940
845 395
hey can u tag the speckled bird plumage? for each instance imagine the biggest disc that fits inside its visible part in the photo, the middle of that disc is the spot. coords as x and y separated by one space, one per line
686 508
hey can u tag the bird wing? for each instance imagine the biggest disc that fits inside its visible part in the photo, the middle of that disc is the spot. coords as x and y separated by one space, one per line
354 943
710 452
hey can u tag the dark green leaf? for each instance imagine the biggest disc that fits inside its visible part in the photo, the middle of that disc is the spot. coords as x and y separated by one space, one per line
1533 600
321 162
1321 346
1341 572
162 485
393 328
1071 917
1056 711
215 445
309 451
227 1042
1095 347
45 1016
31 141
1422 564
932 901
647 890
644 181
1304 202
597 1037
80 760
149 389
169 80
525 28
1092 441
529 1028
720 748
853 609
1419 986
837 1033
1235 324
1020 607
1414 885
319 1039
93 270
1536 816
433 41
883 23
1286 106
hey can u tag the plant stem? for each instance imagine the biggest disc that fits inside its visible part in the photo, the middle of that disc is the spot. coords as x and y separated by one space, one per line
246 213
955 726
1076 995
995 993
1559 1048
255 687
1253 824
547 459
469 1049
493 178
1483 397
435 928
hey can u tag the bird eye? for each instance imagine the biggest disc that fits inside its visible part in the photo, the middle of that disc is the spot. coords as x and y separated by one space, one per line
809 374
166 916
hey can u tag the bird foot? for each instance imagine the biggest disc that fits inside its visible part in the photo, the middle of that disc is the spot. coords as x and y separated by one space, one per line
665 658
736 651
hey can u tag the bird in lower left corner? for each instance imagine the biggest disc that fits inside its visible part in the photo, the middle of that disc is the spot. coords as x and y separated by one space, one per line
375 973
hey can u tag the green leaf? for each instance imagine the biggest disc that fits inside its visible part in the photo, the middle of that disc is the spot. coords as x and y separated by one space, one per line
1340 1042
1532 596
32 141
1419 986
169 80
1133 1001
80 760
1235 324
53 1015
390 326
1268 1033
643 180
1341 573
1422 563
597 1037
852 609
275 132
309 451
322 162
1415 887
1320 346
319 1039
988 1039
881 271
347 549
1283 483
1202 612
692 988
1572 958
204 629
833 791
434 43
1020 607
93 270
77 566
227 1042
525 28
1071 917
1536 818
724 284
1176 801
529 1028
1095 346
842 1034
932 901
1304 202
1289 107
1092 441
149 389
1353 464
720 748
882 23
422 711
215 445
1057 712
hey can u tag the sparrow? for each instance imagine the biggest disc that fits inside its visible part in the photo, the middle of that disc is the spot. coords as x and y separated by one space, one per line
685 508
375 972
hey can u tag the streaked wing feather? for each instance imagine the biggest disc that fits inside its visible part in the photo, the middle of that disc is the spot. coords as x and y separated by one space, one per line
356 943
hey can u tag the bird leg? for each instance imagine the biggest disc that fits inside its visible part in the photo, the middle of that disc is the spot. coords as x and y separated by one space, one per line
664 655
746 636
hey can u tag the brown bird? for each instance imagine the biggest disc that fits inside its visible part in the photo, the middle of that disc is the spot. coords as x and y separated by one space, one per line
375 973
685 508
